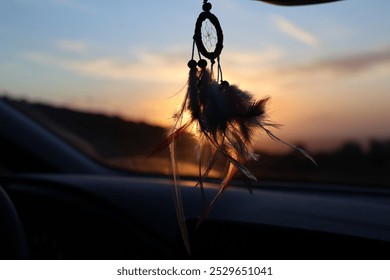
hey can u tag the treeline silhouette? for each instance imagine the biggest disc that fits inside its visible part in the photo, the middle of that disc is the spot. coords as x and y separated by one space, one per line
350 163
127 145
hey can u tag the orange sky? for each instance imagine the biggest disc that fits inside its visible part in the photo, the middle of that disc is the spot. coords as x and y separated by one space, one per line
325 67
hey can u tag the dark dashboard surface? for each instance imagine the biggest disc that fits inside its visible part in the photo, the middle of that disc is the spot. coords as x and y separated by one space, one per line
106 217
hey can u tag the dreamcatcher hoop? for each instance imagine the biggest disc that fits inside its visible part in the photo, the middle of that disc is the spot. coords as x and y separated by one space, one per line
198 36
207 28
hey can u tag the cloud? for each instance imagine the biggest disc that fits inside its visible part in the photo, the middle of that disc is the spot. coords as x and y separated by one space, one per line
146 67
347 64
72 46
75 5
168 66
294 31
254 59
354 63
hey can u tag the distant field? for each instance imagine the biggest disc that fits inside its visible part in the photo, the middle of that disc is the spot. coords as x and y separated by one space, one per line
126 144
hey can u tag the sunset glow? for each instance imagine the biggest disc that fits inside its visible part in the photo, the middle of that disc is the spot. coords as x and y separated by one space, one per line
325 67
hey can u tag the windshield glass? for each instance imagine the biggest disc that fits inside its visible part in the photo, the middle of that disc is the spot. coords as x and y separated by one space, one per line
108 77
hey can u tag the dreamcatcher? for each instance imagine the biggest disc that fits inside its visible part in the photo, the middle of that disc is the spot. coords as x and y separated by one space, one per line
220 115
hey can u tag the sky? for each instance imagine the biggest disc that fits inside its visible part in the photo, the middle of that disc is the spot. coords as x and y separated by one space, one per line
326 67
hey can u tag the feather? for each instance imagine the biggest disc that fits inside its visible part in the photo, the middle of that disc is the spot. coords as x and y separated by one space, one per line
228 178
225 117
178 198
193 94
176 134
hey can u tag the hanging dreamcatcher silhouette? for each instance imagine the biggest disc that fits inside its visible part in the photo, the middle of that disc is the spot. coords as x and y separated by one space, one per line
221 116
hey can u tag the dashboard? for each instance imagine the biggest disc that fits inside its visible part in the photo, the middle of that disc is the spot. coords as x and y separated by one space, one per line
104 217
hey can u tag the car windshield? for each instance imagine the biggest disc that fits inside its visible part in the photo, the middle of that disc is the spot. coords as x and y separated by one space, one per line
108 76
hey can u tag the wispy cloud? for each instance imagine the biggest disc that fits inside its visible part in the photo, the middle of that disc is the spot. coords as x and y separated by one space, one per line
254 59
76 5
295 31
147 66
354 63
72 46
346 64
253 67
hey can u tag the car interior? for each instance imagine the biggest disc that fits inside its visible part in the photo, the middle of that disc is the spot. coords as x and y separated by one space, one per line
100 213
59 202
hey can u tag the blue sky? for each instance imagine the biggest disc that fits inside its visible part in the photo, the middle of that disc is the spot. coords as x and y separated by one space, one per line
326 67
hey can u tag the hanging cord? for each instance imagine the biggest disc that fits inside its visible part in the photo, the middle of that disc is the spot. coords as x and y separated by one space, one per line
212 67
219 76
193 50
